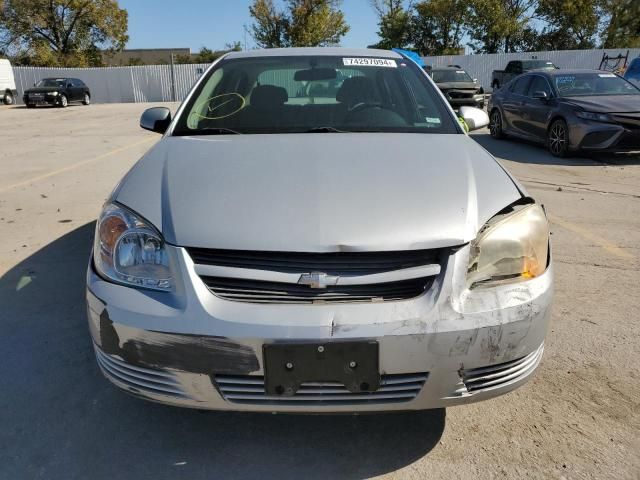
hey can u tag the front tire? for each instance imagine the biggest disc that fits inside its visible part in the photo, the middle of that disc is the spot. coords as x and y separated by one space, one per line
8 98
87 99
63 102
558 138
496 128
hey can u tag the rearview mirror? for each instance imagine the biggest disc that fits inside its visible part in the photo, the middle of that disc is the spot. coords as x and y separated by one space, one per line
474 117
541 95
156 119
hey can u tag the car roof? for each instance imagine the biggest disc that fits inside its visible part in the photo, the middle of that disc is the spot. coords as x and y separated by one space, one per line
562 72
315 51
446 68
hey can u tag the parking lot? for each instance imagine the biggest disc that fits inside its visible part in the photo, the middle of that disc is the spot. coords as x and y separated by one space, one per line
578 418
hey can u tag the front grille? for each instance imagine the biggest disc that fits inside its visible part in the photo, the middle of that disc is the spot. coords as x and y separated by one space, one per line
255 291
249 389
138 379
252 281
334 263
457 95
495 376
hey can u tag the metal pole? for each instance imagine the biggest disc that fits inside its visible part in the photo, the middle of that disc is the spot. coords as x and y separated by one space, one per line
173 80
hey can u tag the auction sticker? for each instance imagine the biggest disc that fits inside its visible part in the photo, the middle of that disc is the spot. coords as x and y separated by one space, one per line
369 62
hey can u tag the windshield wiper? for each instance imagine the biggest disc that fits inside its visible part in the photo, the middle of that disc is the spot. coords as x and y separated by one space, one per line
324 130
218 131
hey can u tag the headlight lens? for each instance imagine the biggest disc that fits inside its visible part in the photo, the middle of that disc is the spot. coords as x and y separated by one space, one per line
128 250
598 117
510 248
53 94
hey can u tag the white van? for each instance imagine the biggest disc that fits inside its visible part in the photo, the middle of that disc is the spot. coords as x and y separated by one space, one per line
8 92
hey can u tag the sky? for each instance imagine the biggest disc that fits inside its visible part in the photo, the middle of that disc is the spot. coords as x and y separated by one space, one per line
213 23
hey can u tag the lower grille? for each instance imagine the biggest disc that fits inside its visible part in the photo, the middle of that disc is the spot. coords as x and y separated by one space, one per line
494 376
138 379
256 291
629 141
249 389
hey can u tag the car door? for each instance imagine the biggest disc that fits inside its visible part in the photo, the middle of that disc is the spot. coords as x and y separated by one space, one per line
536 111
513 103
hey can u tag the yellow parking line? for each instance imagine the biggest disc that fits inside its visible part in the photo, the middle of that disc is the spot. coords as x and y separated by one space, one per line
74 166
598 240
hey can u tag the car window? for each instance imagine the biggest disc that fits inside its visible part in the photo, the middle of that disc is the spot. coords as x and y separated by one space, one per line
521 85
539 84
444 76
593 84
52 82
293 94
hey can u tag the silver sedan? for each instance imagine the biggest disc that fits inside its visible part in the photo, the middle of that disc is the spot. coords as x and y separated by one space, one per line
315 232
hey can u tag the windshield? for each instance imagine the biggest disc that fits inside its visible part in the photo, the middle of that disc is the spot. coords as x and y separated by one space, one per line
51 82
592 84
447 76
294 94
540 65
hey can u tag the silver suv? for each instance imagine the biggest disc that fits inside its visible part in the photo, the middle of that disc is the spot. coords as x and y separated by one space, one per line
316 232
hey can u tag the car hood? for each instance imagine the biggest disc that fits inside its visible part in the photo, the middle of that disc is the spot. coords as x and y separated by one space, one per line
458 86
43 89
320 192
607 103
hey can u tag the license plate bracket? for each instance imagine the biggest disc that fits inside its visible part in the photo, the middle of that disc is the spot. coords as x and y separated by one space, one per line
352 363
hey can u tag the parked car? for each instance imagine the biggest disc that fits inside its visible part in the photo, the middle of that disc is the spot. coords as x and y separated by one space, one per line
458 87
569 111
7 83
357 255
518 67
57 91
632 74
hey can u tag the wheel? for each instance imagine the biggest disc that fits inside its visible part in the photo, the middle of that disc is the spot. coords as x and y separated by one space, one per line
63 102
495 124
87 99
8 98
558 138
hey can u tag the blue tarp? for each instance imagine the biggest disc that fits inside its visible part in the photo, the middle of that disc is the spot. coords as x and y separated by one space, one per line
411 55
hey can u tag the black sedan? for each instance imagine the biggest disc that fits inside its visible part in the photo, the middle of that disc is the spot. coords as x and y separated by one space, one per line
569 110
458 87
57 91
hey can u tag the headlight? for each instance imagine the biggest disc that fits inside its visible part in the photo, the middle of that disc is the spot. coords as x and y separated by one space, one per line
128 250
598 117
53 94
510 248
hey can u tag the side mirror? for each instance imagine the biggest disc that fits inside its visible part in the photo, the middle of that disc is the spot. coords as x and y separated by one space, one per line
540 95
475 80
156 119
474 117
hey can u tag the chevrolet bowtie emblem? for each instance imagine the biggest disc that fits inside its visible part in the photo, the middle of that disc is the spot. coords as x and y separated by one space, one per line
318 280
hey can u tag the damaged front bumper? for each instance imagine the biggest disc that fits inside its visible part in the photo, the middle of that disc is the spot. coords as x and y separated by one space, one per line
449 346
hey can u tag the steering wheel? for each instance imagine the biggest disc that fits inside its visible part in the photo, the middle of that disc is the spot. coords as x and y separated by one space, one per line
359 107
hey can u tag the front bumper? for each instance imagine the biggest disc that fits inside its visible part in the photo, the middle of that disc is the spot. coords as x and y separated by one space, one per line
447 347
472 101
605 137
40 100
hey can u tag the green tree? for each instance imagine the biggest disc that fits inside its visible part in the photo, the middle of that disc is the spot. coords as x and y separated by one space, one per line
570 24
621 28
394 23
437 26
496 26
62 32
303 23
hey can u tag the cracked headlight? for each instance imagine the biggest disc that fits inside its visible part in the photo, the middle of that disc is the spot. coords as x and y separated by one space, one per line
128 250
511 247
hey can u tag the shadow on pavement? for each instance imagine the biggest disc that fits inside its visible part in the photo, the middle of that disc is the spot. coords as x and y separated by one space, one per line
521 151
61 419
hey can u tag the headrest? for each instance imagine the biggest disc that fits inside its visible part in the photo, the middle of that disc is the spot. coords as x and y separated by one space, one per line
268 96
356 90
